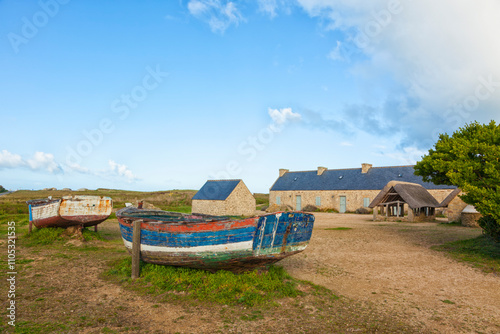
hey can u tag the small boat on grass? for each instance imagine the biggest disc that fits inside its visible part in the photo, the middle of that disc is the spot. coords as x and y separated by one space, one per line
68 211
216 242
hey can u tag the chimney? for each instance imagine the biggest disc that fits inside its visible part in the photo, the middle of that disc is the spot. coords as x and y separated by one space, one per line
283 171
321 170
365 168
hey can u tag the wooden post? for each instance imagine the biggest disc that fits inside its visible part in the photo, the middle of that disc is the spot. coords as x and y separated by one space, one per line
136 248
31 219
375 211
397 209
95 228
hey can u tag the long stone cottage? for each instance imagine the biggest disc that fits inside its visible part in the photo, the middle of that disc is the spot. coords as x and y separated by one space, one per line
344 190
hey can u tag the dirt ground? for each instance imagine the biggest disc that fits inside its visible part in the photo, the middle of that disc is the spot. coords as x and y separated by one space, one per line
388 266
392 265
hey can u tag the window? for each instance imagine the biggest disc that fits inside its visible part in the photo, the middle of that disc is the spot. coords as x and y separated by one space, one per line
318 201
278 200
366 202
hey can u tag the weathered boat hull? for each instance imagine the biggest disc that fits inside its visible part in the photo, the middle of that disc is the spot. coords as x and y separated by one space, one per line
70 211
222 243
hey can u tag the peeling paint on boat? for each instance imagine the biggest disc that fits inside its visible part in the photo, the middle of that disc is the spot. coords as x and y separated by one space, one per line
213 243
70 210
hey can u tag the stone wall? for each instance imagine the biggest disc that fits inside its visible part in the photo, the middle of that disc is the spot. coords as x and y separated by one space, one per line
330 199
239 203
440 194
454 209
470 219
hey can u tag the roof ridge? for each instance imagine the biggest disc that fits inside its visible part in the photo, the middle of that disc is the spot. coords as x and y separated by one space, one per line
341 169
223 180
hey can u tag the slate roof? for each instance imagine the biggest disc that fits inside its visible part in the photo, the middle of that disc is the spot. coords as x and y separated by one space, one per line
350 179
216 190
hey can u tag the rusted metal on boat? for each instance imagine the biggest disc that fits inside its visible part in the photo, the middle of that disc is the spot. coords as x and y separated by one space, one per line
67 211
216 242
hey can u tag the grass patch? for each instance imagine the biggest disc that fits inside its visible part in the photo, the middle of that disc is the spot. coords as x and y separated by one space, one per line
43 236
450 224
338 229
29 327
223 287
180 208
482 252
89 235
54 235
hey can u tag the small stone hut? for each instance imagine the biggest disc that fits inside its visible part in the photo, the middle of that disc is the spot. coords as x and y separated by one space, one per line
394 196
224 198
453 205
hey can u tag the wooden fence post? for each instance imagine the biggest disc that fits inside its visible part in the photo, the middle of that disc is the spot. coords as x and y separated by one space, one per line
136 248
31 219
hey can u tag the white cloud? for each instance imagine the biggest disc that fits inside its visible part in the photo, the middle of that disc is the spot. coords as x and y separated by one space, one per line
407 156
122 171
39 162
10 160
337 52
78 168
44 161
218 14
280 116
271 7
438 55
268 6
114 170
346 143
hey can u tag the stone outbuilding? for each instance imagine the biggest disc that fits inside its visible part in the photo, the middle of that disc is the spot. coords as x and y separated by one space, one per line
343 190
395 195
453 206
470 216
224 198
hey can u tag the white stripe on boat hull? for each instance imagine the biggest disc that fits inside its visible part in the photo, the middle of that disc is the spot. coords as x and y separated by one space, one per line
237 246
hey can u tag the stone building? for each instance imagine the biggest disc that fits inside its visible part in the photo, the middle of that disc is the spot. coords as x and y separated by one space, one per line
396 195
224 198
344 190
453 205
470 216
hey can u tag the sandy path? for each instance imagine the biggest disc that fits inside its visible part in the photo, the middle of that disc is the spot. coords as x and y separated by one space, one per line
379 263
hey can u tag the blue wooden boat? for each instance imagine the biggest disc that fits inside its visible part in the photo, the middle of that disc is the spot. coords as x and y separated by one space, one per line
214 242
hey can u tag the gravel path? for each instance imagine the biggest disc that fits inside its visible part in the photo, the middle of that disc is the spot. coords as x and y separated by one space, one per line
391 265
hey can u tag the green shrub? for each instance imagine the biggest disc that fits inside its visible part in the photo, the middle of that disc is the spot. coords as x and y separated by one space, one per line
490 227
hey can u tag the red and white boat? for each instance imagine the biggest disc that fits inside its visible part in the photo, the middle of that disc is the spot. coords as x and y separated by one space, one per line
67 211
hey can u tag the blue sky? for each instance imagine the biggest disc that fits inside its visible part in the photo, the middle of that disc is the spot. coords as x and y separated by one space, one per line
157 95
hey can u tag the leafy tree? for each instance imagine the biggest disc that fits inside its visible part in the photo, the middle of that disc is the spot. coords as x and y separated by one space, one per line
2 189
469 159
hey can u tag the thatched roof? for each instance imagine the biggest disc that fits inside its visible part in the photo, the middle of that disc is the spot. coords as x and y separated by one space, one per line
450 198
412 194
